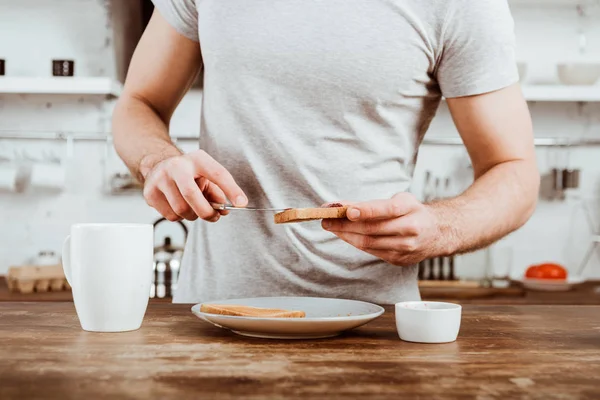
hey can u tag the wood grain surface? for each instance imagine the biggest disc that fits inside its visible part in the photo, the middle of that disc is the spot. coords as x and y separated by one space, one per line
526 352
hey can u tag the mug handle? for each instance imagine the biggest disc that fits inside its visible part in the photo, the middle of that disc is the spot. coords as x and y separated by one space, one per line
66 259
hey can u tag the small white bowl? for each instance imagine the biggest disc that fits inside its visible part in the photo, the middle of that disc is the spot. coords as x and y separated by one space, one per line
428 321
579 73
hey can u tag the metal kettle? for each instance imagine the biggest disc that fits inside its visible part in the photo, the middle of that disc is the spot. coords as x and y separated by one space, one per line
167 262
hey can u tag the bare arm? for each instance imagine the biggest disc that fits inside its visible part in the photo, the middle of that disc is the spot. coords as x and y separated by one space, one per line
162 70
179 186
497 132
496 129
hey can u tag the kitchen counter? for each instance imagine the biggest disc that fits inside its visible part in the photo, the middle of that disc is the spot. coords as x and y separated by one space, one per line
502 352
586 293
63 295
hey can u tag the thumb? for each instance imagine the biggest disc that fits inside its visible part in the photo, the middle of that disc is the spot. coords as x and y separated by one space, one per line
399 205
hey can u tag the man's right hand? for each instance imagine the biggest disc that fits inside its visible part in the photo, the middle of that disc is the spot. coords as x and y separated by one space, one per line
181 187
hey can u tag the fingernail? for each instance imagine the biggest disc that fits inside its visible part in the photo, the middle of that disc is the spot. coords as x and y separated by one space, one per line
326 224
353 213
241 201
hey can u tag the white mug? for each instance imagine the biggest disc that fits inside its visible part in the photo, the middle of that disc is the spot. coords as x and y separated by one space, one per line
109 268
8 177
49 176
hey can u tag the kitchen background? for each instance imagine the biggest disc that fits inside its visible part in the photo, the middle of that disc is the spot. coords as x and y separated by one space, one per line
64 127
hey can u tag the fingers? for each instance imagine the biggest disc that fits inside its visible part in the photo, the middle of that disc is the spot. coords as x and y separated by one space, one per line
397 258
208 167
157 200
379 243
181 187
188 190
404 226
399 205
215 194
176 201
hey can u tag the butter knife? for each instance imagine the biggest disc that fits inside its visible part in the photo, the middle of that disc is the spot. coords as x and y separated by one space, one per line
220 206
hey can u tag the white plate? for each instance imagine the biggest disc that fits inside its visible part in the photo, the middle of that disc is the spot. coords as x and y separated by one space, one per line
324 317
551 285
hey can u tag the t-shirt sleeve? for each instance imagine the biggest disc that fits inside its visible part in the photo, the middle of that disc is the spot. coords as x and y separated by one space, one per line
478 48
181 15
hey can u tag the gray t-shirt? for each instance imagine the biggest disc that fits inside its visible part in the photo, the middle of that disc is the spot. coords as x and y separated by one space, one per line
307 102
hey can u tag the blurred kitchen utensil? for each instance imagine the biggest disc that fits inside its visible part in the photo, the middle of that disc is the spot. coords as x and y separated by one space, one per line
220 206
166 266
451 272
63 68
522 68
430 270
428 188
439 271
581 73
121 183
570 178
446 193
595 242
2 67
46 257
502 262
581 20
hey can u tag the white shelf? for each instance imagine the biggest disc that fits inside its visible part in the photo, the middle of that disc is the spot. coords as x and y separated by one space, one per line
60 85
109 87
561 93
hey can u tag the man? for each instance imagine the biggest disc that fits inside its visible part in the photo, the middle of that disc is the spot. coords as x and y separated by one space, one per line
308 102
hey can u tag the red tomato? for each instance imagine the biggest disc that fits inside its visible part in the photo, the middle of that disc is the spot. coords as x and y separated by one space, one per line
552 271
533 272
546 271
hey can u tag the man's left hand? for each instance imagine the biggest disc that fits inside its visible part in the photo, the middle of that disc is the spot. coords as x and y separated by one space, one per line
402 230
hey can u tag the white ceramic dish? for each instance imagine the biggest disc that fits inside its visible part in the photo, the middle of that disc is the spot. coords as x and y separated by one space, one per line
550 285
428 321
324 317
579 73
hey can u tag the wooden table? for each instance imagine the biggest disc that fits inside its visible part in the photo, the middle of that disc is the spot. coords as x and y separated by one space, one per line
502 352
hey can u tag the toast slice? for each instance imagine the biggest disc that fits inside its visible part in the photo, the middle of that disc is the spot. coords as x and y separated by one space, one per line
247 311
310 214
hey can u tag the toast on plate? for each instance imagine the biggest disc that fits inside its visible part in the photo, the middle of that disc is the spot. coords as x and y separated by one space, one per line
248 311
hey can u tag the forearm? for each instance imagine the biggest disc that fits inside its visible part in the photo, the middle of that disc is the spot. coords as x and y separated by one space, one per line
499 201
141 136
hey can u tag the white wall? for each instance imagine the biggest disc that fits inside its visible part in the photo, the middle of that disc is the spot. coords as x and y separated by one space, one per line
35 31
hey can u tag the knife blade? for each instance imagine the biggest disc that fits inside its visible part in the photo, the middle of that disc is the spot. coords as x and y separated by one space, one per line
220 206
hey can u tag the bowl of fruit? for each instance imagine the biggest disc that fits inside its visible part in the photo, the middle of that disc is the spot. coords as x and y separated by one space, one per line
549 277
